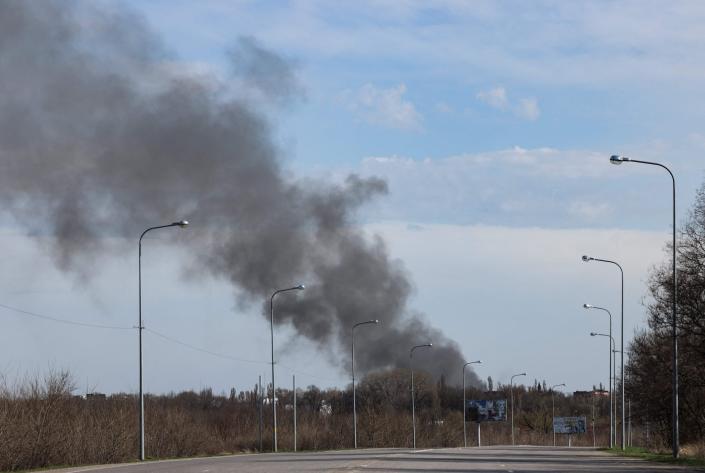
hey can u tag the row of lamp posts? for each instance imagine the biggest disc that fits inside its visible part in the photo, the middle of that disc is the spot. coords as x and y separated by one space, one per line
612 375
615 159
183 224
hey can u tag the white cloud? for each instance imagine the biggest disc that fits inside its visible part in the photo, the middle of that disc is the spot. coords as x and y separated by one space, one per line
443 107
517 187
497 97
528 109
578 42
385 107
589 211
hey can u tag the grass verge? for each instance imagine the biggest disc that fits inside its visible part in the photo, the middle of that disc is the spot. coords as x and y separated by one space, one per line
638 452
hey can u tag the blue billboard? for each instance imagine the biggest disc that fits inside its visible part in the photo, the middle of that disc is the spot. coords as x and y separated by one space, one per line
487 410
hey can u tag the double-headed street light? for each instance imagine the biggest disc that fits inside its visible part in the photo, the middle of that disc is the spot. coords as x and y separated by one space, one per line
621 373
611 378
616 159
465 435
300 287
553 410
140 327
413 406
511 390
352 362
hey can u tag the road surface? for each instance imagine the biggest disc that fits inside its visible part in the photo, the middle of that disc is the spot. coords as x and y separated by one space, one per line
450 460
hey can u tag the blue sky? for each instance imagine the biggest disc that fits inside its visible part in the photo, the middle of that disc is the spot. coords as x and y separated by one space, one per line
412 81
492 122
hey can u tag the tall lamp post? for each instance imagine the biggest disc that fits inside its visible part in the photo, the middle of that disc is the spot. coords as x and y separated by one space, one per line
300 287
352 362
621 371
614 383
553 410
611 378
465 435
612 351
616 159
182 224
413 405
511 390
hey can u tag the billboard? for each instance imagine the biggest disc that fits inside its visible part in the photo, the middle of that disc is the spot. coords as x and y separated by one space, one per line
486 410
570 425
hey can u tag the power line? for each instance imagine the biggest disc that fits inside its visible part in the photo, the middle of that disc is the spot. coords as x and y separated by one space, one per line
203 350
63 321
158 334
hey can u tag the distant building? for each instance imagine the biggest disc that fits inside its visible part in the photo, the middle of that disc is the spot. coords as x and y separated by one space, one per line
596 392
268 401
326 409
95 397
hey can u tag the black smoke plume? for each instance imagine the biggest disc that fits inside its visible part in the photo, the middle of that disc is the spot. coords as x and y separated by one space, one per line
103 132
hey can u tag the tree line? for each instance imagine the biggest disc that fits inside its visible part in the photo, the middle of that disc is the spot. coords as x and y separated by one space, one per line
649 370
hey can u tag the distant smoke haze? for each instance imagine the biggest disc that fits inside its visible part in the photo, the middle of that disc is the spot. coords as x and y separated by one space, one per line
101 133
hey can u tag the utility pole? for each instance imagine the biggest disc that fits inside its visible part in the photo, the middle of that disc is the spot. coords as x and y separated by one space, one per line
260 398
294 385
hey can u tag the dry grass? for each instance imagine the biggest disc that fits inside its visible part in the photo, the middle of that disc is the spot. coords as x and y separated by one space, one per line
43 424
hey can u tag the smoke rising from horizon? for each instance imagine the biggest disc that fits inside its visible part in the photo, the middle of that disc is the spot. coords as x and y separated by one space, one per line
103 132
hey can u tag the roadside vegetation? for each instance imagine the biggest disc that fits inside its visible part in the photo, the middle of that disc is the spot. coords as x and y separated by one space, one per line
691 455
43 422
648 371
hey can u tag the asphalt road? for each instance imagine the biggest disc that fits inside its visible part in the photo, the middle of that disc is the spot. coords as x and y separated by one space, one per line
502 459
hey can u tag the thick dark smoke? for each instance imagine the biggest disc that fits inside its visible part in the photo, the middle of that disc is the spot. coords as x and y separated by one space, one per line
103 133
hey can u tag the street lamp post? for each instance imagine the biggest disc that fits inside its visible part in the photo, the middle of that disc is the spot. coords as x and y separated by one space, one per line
413 406
553 410
352 362
621 371
610 359
465 435
611 378
182 224
616 159
300 287
511 390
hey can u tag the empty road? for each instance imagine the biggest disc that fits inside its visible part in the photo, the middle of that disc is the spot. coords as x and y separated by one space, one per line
451 460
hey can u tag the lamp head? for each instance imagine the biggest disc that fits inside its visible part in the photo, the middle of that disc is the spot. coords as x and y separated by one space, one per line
587 306
300 287
181 223
587 258
617 159
376 321
429 344
592 334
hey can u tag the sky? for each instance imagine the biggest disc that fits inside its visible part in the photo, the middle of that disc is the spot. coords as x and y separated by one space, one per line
492 123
